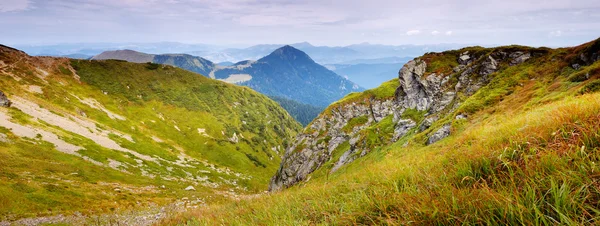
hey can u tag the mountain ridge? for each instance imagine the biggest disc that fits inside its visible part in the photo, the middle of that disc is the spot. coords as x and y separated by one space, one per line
431 93
286 72
94 136
501 136
185 61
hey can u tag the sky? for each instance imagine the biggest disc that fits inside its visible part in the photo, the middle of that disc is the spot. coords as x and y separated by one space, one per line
320 22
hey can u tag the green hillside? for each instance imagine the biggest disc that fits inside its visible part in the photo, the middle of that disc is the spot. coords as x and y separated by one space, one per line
517 144
103 136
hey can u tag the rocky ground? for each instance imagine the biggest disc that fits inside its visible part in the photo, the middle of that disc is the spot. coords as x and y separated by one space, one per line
145 216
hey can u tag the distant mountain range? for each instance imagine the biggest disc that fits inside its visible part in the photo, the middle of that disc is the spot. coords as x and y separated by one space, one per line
92 49
185 61
358 53
287 73
365 64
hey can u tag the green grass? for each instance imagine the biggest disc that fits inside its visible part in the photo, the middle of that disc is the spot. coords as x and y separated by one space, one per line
526 155
156 101
414 114
591 87
354 122
496 172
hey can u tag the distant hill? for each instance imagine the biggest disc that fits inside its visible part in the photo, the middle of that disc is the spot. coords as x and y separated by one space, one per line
126 55
185 61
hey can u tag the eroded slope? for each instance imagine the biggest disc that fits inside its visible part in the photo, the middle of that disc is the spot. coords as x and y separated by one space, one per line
94 136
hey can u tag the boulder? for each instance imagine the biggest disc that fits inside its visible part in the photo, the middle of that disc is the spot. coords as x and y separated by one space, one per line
519 57
464 58
489 66
190 188
4 101
402 128
413 91
426 124
460 117
440 134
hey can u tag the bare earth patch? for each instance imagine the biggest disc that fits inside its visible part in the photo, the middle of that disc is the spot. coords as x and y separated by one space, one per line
237 78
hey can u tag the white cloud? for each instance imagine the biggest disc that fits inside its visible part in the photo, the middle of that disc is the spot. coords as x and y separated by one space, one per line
413 32
448 33
435 32
14 5
556 33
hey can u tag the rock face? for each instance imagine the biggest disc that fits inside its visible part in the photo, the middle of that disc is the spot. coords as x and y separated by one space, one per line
351 129
4 101
440 134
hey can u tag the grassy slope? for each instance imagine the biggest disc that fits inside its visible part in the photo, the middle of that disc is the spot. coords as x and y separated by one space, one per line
526 155
36 180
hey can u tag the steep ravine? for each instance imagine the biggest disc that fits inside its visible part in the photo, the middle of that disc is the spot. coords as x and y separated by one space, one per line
431 92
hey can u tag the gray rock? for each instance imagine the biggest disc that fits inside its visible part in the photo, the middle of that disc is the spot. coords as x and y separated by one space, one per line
431 93
190 188
440 134
4 101
576 66
460 116
346 158
519 57
464 58
488 66
402 128
421 94
412 91
426 124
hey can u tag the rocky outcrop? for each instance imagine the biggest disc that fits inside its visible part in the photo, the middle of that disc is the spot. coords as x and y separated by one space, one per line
337 139
439 134
319 141
4 101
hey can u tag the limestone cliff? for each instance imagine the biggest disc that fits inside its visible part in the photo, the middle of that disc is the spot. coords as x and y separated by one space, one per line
426 99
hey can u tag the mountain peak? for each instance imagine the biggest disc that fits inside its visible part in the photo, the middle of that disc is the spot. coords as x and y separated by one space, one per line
290 53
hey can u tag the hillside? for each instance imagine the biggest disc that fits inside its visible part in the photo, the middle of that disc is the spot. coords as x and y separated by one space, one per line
500 136
290 73
94 137
184 61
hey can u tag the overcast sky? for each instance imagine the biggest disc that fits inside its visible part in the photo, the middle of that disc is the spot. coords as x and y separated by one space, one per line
320 22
